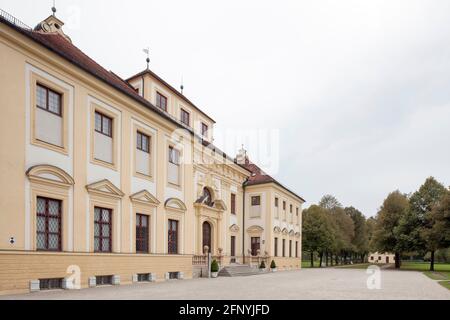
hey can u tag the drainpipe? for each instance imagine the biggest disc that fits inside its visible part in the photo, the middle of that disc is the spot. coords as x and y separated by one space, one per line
243 221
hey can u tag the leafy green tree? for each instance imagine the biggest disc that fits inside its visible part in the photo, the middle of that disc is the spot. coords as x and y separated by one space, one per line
360 239
386 236
329 202
317 234
438 235
370 227
416 227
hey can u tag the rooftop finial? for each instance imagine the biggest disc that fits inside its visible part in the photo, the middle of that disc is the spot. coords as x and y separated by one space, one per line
182 85
54 8
147 51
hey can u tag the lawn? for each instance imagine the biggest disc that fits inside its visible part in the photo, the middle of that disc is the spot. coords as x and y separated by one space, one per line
307 264
445 284
435 275
424 266
355 266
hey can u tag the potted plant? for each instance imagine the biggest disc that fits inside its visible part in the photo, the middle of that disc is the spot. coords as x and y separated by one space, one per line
273 266
214 269
262 266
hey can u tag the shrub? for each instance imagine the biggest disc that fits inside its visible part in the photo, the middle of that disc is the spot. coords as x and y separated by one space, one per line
214 266
263 265
273 265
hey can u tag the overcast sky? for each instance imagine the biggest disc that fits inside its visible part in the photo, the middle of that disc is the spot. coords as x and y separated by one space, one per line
359 90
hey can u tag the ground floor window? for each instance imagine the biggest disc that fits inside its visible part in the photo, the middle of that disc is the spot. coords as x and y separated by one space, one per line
275 247
296 249
284 248
102 230
142 233
50 284
172 237
290 248
48 224
255 245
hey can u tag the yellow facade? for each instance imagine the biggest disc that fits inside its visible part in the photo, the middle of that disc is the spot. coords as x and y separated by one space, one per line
72 174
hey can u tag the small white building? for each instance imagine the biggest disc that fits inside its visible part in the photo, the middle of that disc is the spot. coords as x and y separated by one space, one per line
381 257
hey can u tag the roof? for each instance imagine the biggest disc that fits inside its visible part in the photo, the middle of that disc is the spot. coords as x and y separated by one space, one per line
179 94
59 45
258 177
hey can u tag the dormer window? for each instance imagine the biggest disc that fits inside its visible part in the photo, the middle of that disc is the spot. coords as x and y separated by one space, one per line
204 130
161 101
185 117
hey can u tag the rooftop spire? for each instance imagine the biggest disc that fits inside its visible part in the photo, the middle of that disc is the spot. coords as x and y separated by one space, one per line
54 8
147 51
182 85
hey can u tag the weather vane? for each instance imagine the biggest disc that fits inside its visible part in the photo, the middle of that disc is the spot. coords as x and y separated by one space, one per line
147 52
54 7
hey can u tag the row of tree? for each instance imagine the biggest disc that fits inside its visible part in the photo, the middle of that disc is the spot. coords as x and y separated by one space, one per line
419 222
335 234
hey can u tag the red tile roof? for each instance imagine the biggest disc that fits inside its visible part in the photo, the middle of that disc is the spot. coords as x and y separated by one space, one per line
154 75
258 177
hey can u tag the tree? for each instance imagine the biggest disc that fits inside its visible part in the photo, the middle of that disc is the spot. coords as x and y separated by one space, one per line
344 231
416 226
370 227
329 202
317 234
438 235
386 236
360 239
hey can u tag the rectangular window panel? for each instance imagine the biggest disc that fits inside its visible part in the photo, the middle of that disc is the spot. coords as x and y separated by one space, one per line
204 130
185 117
172 237
233 203
102 229
48 224
143 142
103 124
142 233
256 201
275 245
48 100
161 101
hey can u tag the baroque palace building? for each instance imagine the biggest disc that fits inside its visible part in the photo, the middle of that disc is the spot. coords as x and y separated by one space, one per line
113 181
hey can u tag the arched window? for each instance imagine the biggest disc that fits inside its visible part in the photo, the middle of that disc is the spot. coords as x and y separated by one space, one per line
207 197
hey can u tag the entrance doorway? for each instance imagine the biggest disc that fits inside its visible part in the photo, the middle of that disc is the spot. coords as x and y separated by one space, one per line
233 249
206 236
387 259
256 245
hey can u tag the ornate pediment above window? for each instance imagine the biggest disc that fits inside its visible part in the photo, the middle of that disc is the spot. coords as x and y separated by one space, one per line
105 188
298 234
285 231
50 175
276 230
145 197
292 233
175 204
255 229
234 228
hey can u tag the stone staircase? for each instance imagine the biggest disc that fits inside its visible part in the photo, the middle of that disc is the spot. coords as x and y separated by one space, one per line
238 270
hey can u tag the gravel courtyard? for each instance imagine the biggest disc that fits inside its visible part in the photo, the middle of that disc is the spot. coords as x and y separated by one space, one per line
303 284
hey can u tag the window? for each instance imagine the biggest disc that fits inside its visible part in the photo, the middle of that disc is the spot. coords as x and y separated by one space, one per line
290 248
143 277
284 205
48 224
142 234
50 284
371 258
296 249
276 202
161 101
143 161
103 124
103 280
48 100
49 122
103 142
143 142
204 130
256 201
185 117
174 275
233 203
275 247
290 208
174 166
255 245
102 230
379 258
172 237
284 248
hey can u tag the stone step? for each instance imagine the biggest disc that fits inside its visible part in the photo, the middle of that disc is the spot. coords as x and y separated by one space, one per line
238 271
